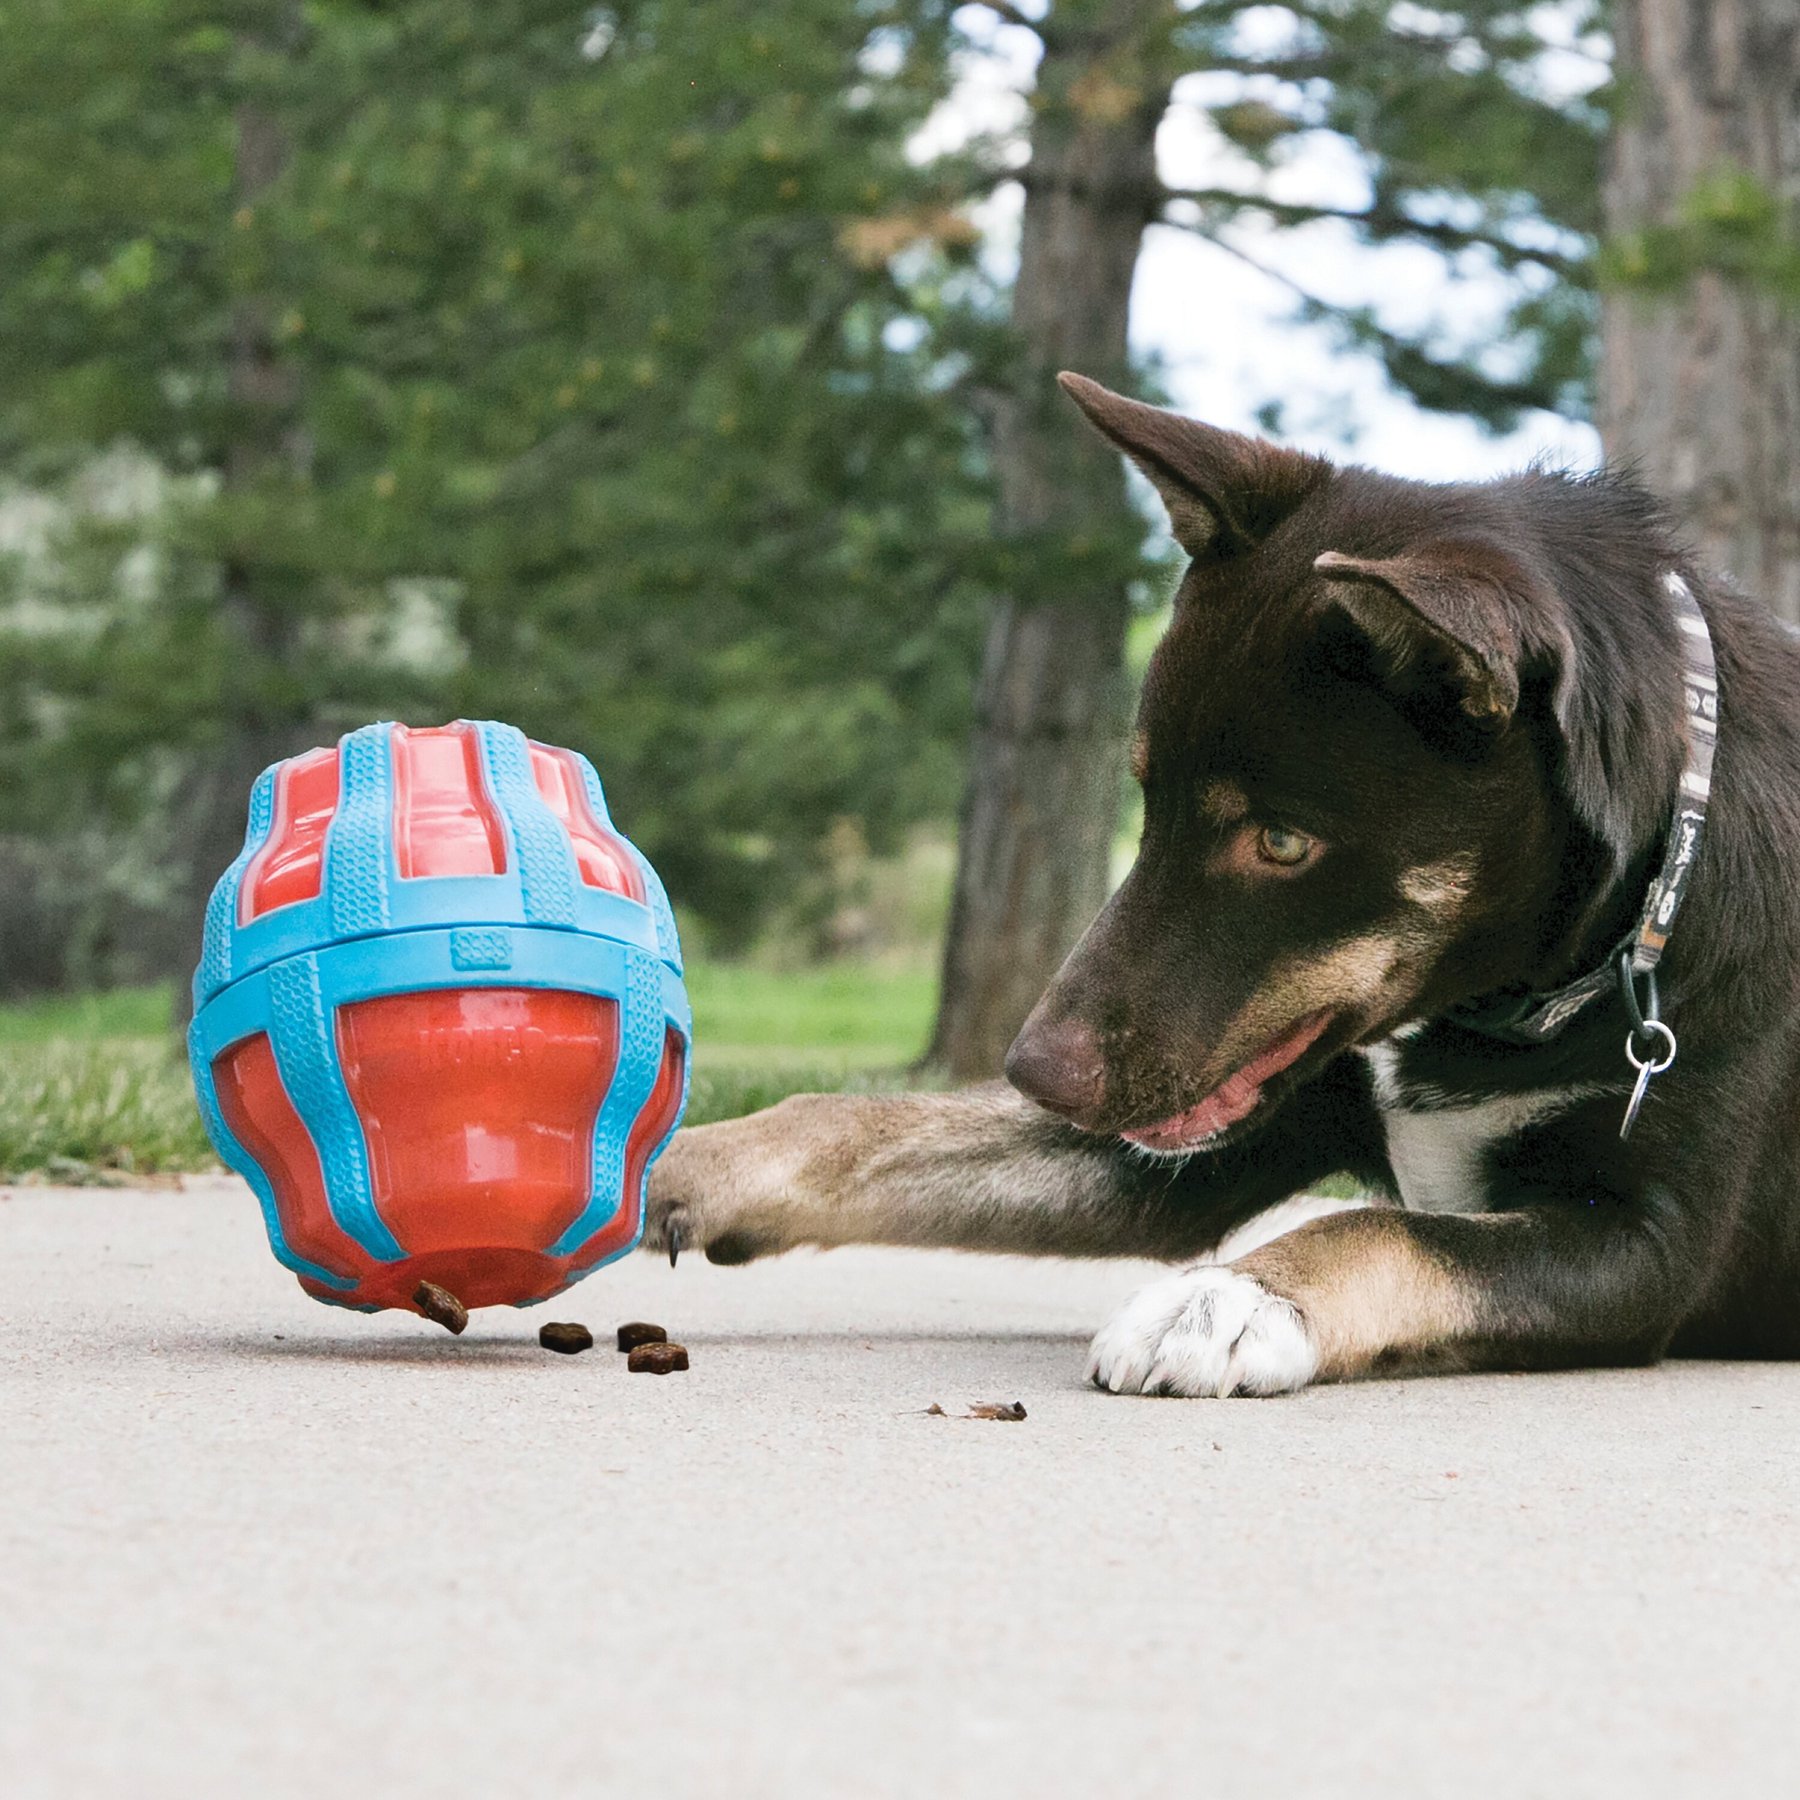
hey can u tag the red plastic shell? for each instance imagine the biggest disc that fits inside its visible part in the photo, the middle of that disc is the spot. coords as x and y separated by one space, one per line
445 820
262 1118
290 865
601 856
478 1106
653 1122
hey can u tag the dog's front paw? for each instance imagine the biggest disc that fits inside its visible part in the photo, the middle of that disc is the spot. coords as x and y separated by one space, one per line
1209 1331
704 1195
749 1187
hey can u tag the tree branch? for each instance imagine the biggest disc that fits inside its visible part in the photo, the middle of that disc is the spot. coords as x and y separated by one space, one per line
1410 365
1381 222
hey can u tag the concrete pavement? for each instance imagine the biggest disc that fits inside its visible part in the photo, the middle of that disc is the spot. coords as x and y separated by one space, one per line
251 1546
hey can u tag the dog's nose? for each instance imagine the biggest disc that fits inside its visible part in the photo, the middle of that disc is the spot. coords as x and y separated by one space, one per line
1056 1062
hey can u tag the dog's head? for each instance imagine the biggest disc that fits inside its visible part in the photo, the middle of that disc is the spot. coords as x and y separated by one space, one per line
1361 771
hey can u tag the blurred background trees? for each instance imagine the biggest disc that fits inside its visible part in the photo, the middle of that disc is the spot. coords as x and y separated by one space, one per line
582 368
674 380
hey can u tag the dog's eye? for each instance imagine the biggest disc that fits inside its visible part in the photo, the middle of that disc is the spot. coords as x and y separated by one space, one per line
1286 849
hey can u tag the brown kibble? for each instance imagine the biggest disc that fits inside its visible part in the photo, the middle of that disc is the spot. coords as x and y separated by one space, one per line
657 1359
637 1332
566 1339
1012 1411
441 1305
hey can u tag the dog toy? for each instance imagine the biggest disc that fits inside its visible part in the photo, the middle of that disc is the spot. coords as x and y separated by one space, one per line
440 1026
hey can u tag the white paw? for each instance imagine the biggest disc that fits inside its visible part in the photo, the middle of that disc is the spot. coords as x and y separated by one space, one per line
1208 1331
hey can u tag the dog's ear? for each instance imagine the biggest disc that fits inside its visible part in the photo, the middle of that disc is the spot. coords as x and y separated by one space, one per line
1445 613
1470 614
1224 491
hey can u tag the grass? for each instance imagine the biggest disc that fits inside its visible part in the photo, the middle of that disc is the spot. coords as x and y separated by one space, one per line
844 1016
141 1012
82 1111
95 1087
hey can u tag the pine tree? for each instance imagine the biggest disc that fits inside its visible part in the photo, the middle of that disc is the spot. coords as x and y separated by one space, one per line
500 358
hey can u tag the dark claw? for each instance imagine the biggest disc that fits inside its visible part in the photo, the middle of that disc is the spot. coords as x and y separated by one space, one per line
676 1242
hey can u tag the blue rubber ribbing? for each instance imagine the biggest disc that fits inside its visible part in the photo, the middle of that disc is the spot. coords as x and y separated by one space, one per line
656 1149
542 856
668 941
358 847
641 1026
596 794
306 1054
214 971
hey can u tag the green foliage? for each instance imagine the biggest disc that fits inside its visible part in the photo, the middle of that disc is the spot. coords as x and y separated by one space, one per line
613 370
578 388
79 1112
730 1091
837 1017
1729 224
134 1012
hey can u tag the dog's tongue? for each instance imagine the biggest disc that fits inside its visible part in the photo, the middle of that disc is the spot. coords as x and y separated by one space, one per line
1235 1097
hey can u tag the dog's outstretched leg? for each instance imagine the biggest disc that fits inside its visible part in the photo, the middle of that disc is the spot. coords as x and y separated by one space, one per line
979 1170
983 1169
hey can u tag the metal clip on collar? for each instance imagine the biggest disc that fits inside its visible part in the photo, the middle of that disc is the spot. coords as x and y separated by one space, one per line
1648 1031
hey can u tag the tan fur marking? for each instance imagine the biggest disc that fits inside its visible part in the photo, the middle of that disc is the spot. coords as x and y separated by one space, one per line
1367 1291
1441 886
1355 976
1224 801
1351 974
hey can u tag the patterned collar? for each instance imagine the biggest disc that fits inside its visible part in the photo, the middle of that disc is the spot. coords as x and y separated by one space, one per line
1536 1018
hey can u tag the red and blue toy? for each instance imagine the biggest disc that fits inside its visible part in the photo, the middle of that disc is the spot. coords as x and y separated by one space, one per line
440 1026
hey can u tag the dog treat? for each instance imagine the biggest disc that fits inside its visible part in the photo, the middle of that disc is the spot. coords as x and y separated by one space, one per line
657 1359
1012 1411
441 1305
638 1332
566 1339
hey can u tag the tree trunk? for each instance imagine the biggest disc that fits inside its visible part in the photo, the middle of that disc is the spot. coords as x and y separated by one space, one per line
1702 389
1046 759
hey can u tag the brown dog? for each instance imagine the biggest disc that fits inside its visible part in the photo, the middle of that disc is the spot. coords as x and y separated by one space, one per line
1413 759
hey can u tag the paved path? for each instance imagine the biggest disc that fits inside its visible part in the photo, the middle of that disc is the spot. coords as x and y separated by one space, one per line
252 1547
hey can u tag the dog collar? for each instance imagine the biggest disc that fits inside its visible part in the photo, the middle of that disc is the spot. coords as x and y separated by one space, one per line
1536 1018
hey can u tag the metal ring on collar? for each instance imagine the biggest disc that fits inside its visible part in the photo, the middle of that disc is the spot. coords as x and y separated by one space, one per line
1655 1064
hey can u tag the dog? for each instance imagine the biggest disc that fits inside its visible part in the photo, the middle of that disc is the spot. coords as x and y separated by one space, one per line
1422 897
